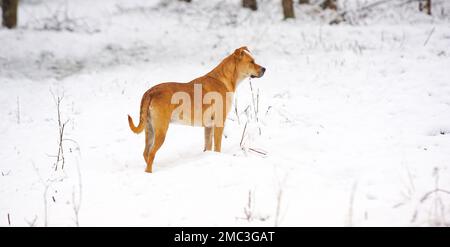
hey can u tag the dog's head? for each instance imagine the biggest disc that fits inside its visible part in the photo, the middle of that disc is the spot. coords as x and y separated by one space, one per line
245 64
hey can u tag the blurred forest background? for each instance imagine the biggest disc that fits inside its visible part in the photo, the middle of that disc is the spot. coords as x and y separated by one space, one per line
342 10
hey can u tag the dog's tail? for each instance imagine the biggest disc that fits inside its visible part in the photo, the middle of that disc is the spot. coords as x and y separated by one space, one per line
145 103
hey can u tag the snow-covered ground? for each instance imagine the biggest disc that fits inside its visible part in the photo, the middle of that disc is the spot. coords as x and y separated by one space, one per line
354 119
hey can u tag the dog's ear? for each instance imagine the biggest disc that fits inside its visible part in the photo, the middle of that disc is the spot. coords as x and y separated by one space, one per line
240 51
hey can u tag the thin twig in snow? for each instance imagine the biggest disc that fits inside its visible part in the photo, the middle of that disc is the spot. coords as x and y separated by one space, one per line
77 204
255 103
278 209
61 127
425 197
236 110
351 204
33 222
279 197
243 134
429 36
248 210
258 151
18 110
47 184
437 217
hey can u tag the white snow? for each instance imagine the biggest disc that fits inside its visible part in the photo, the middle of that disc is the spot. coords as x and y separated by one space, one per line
355 119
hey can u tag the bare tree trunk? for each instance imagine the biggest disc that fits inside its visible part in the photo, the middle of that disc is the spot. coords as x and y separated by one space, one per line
329 4
251 4
188 1
425 5
288 9
303 1
9 10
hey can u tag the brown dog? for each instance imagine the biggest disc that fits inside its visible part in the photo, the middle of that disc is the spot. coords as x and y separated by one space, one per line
172 102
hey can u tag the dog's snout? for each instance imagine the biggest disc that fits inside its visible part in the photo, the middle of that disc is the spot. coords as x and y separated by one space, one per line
261 72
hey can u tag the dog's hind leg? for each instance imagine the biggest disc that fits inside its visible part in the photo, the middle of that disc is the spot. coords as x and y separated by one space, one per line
208 138
149 136
160 124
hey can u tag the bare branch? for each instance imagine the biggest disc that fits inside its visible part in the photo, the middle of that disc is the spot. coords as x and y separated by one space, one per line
428 194
18 110
60 158
258 151
429 36
243 134
350 209
32 223
77 201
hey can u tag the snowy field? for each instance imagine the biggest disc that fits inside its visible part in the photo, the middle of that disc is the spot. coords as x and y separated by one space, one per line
353 123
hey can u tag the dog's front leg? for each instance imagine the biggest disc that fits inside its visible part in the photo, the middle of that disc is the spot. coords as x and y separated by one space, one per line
218 138
208 138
